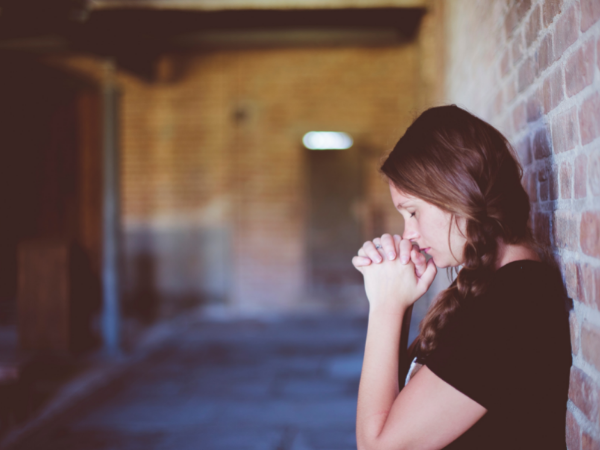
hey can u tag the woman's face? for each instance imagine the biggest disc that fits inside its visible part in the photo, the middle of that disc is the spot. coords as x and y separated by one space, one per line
427 226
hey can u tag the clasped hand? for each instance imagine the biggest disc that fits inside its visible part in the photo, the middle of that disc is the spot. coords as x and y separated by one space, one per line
396 273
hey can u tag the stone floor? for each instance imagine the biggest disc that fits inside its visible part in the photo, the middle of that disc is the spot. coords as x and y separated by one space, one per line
273 384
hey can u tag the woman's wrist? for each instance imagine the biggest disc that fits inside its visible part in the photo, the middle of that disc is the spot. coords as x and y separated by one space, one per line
383 312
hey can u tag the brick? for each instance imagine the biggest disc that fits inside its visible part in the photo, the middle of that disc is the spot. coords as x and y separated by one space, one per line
510 22
589 118
543 190
527 73
567 31
534 107
541 143
551 9
523 150
565 131
566 180
589 279
545 53
534 25
520 116
590 233
590 343
553 183
574 329
532 190
523 7
517 49
573 432
542 228
583 393
580 176
506 126
505 63
579 68
515 14
590 13
498 103
598 53
510 91
588 442
573 278
544 173
552 91
594 173
564 228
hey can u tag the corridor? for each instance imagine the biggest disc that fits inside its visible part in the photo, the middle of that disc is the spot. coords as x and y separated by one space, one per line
274 384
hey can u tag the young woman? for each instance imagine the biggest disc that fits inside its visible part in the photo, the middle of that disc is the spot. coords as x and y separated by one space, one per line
494 347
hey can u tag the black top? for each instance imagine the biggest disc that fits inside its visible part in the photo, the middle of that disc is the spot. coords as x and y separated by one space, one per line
510 351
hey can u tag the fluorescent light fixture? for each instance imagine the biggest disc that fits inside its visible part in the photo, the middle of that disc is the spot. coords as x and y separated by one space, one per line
327 140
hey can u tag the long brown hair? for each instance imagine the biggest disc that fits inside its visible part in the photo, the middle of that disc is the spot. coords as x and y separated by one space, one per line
463 165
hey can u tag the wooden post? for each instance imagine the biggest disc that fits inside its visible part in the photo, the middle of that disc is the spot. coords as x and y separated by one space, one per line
111 225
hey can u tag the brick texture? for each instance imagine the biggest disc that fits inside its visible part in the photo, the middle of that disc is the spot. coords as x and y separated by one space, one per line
573 432
588 442
589 119
215 154
583 393
590 342
590 233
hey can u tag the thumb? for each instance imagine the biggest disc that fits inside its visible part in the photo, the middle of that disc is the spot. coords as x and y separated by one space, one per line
429 274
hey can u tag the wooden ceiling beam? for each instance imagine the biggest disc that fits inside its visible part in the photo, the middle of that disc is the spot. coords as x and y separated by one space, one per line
219 5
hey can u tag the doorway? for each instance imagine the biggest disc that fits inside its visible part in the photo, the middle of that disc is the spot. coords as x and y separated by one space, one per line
334 233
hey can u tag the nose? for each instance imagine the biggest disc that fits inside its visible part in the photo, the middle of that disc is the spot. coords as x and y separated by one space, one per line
410 232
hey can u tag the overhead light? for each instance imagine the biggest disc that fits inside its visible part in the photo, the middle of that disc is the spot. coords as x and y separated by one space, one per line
327 140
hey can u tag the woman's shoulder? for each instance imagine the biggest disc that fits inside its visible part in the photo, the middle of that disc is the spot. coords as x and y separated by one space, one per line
527 277
523 289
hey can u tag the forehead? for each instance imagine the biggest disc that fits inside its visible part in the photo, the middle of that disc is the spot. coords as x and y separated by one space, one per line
399 197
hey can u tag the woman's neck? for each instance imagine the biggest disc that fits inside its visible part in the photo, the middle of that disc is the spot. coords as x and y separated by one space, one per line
514 252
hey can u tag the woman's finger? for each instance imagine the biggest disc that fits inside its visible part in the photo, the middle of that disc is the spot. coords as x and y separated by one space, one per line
419 261
371 252
360 261
405 249
361 252
387 242
397 240
428 275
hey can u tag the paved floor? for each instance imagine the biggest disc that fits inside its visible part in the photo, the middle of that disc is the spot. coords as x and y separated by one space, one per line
270 385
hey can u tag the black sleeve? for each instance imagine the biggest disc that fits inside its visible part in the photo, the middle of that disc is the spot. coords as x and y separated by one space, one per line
468 356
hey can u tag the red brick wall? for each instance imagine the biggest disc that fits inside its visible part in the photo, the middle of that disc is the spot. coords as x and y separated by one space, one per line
531 67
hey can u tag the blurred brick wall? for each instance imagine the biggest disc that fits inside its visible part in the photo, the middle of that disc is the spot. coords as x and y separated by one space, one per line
530 67
213 182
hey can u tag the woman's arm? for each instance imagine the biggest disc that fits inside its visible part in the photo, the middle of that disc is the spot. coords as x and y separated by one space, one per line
428 413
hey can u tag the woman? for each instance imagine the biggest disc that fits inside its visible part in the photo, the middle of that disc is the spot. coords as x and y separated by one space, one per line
495 345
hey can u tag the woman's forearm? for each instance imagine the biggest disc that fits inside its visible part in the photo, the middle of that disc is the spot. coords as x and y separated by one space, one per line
379 377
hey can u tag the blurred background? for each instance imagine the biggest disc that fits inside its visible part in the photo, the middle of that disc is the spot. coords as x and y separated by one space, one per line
155 149
153 169
175 250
